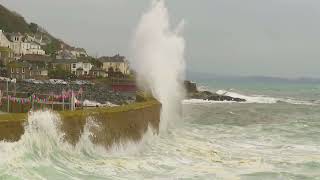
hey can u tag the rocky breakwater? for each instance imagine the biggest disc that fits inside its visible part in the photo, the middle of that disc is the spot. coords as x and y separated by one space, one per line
193 93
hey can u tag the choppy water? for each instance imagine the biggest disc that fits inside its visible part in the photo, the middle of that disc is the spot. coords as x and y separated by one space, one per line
279 140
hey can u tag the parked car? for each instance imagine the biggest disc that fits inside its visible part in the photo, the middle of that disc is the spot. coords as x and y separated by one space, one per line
46 82
82 82
37 82
28 80
79 82
57 81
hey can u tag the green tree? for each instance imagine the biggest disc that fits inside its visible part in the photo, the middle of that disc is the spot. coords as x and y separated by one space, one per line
60 73
33 27
95 62
52 47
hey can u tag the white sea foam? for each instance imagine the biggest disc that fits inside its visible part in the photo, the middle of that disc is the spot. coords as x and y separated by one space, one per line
43 144
264 99
43 137
249 99
194 150
201 101
259 99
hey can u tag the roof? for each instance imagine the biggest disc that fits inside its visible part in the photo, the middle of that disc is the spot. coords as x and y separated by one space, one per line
15 34
94 68
36 58
39 69
116 58
18 64
37 66
80 49
34 43
84 60
64 61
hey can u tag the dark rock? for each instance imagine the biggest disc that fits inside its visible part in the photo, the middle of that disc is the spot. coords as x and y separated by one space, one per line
217 97
206 95
190 87
193 93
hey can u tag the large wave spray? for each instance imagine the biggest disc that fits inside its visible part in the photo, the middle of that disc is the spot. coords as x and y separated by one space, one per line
158 58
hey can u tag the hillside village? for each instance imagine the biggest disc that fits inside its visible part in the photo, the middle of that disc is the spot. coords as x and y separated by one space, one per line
40 71
22 57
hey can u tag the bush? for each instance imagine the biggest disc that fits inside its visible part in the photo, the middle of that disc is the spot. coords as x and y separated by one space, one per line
52 47
61 74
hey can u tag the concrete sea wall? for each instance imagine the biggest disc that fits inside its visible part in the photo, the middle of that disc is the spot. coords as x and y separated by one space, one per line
115 124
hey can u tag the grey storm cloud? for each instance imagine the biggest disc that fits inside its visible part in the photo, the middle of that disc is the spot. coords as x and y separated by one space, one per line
238 37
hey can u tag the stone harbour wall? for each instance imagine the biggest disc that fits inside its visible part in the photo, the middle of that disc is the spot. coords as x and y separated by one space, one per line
111 124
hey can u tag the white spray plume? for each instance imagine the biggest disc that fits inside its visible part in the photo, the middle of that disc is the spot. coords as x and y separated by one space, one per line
158 58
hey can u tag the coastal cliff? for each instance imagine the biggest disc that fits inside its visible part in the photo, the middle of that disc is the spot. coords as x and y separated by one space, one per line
114 125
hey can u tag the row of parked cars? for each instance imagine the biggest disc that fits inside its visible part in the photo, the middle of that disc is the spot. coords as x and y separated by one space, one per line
57 81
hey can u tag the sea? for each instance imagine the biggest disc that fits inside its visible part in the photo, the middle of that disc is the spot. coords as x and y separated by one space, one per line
274 135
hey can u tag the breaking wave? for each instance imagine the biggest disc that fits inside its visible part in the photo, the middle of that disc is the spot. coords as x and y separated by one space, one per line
44 140
259 99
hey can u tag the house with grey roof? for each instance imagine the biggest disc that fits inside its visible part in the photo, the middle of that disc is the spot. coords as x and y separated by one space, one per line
116 64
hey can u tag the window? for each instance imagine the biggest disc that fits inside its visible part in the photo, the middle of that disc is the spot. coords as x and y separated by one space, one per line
73 65
23 70
12 70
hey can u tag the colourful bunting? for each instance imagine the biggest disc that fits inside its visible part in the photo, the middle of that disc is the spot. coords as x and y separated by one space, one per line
65 95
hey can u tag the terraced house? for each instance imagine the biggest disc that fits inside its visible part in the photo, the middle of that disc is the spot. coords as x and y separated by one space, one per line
76 67
115 64
6 55
22 46
19 70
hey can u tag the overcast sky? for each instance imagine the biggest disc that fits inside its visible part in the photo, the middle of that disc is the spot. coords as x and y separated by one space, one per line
238 37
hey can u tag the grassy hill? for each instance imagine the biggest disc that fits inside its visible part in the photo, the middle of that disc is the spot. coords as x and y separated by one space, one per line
13 22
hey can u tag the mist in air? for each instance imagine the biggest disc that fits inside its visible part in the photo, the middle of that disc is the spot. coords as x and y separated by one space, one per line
158 58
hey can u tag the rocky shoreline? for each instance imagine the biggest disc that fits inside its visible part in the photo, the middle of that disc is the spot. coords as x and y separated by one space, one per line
193 93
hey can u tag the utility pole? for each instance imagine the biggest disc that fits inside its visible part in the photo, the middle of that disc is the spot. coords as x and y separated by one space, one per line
52 101
8 105
72 101
32 101
62 101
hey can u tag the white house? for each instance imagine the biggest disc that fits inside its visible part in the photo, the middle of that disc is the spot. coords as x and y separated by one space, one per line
35 48
21 46
17 41
4 42
65 54
116 63
81 67
79 52
34 39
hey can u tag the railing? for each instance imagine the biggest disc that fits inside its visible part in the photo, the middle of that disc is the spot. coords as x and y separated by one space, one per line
21 102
